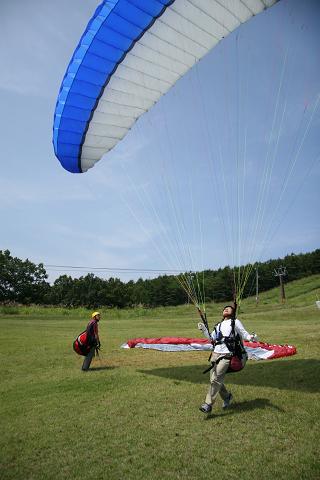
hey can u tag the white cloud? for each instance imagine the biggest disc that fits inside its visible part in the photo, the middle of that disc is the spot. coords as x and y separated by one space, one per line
115 236
17 192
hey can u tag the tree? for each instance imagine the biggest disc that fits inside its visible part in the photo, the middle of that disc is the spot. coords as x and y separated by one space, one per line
21 281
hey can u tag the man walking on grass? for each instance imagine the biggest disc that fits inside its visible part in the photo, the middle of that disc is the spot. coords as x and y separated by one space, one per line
222 355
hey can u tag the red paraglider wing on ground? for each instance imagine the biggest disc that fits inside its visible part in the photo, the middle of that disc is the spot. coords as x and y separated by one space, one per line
167 340
255 350
279 351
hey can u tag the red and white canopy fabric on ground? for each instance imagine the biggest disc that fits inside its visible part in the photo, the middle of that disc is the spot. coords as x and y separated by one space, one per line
255 350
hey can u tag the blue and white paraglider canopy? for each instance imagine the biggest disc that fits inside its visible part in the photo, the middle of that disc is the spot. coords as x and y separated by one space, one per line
131 53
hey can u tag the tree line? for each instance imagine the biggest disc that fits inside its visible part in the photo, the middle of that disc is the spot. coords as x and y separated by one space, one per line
24 282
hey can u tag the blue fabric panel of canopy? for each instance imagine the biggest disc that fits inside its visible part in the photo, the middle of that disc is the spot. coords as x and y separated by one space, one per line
113 30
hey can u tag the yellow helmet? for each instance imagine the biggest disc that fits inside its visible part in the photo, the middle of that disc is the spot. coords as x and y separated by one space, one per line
95 314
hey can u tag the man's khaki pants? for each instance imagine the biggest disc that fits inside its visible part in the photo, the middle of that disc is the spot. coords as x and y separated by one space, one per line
217 375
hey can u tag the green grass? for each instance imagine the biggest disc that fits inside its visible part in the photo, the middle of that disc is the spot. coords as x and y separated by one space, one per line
135 415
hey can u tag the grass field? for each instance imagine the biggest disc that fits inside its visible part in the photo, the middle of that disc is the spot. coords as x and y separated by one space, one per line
135 414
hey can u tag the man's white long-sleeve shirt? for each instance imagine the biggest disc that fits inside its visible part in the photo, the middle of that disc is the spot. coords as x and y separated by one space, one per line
226 329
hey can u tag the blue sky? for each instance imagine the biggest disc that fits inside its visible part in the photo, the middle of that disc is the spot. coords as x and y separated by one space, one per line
224 169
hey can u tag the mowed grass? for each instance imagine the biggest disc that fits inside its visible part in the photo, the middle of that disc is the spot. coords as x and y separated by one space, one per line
135 414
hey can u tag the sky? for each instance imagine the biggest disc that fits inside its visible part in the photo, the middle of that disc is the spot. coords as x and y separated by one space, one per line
224 169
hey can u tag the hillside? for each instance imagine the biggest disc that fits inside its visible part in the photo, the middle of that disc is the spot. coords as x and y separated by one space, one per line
302 292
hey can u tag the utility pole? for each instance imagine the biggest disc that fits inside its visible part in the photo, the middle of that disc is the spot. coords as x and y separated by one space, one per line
257 287
281 272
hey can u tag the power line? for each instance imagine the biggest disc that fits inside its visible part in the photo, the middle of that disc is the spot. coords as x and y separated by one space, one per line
109 269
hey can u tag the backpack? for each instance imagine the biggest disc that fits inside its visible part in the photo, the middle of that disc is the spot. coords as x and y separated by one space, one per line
81 344
235 346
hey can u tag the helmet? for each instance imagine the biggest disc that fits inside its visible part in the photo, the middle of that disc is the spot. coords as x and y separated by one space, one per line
95 314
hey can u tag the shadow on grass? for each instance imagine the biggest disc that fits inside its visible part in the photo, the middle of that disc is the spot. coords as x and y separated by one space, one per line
95 369
297 375
246 406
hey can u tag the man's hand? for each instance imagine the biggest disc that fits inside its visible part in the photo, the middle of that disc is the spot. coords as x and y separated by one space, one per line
254 337
204 330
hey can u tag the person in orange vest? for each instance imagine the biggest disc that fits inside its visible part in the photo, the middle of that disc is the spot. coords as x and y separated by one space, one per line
93 339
